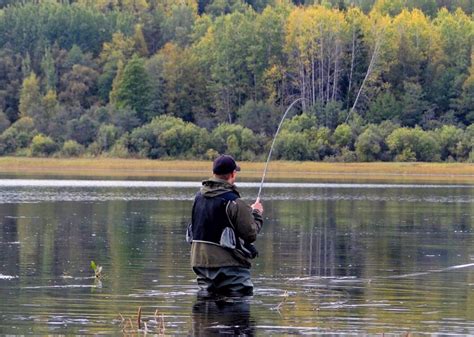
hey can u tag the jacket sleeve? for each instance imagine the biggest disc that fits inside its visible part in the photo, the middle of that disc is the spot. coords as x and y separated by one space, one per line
247 222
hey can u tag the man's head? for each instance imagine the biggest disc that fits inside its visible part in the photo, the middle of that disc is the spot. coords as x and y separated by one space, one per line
225 167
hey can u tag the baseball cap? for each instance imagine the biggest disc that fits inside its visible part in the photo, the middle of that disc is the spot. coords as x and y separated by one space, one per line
224 164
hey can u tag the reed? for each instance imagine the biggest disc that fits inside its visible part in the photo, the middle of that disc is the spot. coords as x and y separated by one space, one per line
277 170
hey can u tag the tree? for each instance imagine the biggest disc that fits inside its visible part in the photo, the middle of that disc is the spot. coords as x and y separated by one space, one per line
30 97
10 83
80 86
260 117
178 25
413 104
223 52
384 107
133 89
456 31
49 70
181 84
83 130
113 57
314 45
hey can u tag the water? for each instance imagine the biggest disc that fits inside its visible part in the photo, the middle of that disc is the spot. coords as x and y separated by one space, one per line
334 259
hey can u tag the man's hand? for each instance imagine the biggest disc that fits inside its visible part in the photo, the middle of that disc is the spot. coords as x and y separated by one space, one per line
257 206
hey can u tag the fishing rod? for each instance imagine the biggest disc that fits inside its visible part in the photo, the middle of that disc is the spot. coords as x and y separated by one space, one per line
273 143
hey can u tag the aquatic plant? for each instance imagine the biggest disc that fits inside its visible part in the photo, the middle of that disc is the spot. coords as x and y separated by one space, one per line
97 270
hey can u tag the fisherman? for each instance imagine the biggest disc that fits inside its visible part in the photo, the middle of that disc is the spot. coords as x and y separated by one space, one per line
222 230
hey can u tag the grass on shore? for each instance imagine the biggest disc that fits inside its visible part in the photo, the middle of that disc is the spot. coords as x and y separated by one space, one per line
305 171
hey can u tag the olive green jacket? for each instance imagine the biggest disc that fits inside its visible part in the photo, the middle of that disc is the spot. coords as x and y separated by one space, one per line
247 222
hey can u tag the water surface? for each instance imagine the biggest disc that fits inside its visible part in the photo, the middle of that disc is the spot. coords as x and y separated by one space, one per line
334 259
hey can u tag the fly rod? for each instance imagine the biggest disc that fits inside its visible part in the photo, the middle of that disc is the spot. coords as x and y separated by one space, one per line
273 143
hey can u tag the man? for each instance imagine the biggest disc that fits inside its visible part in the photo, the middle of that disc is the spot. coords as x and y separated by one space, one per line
221 231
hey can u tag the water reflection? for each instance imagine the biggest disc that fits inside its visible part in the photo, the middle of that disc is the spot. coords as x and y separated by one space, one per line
222 316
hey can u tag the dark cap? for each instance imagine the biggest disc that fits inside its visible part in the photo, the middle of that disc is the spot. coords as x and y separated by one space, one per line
224 164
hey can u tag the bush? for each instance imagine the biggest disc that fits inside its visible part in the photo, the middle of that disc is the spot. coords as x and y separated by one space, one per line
368 145
71 148
120 149
42 145
301 123
260 117
17 136
413 144
292 146
320 143
448 138
4 122
106 137
83 130
167 136
343 135
234 139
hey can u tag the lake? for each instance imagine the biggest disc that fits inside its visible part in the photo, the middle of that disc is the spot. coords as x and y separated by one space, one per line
334 259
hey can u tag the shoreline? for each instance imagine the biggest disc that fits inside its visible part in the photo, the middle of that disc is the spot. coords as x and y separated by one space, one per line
277 170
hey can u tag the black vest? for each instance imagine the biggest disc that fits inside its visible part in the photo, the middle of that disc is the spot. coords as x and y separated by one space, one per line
209 217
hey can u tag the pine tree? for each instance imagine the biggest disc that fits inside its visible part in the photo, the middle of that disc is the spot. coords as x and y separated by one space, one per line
133 89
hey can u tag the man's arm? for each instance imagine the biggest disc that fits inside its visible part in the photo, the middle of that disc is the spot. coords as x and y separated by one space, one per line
247 221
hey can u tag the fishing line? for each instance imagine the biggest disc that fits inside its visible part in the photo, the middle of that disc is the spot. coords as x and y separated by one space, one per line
273 143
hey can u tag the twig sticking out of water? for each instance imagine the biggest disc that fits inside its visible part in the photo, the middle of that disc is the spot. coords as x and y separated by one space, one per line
285 298
160 322
154 326
139 318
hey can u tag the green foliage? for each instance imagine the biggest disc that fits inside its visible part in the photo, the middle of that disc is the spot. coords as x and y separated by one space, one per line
384 107
106 136
79 86
17 136
133 89
234 140
27 26
300 123
4 122
30 97
449 138
42 146
83 130
343 135
192 79
49 70
10 83
320 143
71 148
167 136
292 146
260 117
368 145
413 144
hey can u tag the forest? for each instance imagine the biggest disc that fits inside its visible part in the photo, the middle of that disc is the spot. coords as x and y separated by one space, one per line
378 80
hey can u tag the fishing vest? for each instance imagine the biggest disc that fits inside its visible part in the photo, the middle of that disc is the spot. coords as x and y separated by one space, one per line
210 218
